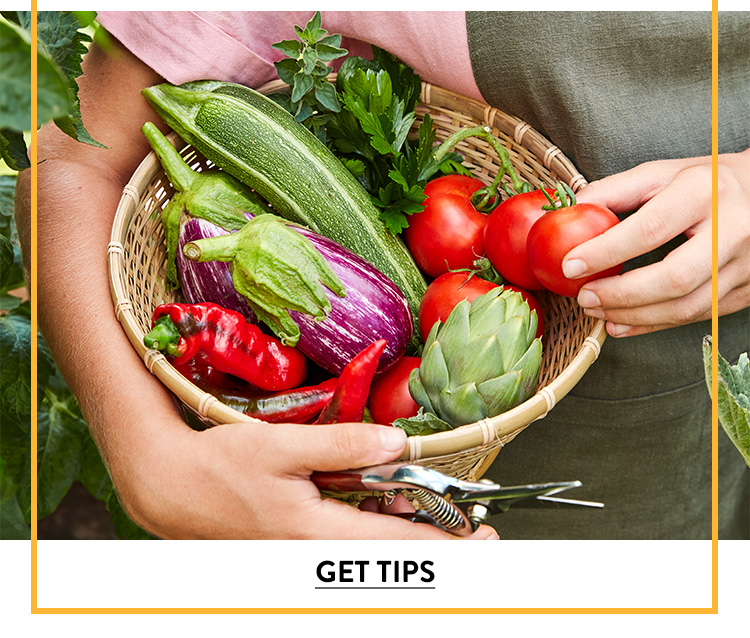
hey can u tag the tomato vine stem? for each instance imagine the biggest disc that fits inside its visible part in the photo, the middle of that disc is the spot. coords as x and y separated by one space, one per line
486 199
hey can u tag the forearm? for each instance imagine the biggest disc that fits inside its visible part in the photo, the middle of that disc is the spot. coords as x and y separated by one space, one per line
78 189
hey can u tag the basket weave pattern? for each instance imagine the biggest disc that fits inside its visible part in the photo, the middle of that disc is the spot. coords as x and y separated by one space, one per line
572 341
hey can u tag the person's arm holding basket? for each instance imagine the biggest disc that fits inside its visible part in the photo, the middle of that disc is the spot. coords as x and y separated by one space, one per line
234 481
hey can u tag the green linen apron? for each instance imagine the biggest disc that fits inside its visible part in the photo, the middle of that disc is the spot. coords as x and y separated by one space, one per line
613 90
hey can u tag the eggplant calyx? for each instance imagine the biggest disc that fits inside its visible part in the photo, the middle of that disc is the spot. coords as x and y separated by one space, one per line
276 269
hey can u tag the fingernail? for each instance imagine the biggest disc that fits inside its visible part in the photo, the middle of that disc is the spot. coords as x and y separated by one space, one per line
574 268
392 439
596 313
588 299
617 329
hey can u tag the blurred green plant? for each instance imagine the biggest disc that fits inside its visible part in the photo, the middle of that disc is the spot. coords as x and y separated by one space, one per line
66 453
733 398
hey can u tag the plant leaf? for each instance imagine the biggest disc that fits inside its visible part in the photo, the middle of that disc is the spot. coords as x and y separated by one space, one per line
15 77
15 367
60 434
61 39
733 400
423 423
13 150
13 525
325 93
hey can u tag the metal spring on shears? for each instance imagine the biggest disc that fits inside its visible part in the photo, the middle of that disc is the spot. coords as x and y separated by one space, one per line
441 510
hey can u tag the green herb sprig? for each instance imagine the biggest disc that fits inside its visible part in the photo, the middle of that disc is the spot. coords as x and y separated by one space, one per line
313 98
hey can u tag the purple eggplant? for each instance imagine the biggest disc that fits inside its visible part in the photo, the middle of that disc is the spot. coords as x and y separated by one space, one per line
208 280
373 308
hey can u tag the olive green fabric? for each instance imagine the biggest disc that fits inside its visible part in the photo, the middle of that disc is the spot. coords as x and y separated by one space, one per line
614 90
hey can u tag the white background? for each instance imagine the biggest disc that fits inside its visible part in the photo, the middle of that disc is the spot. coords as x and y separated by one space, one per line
527 573
261 574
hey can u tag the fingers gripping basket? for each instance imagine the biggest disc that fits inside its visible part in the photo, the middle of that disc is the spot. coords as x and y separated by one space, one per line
572 340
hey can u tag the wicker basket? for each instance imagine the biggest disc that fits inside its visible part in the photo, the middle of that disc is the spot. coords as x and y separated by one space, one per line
572 340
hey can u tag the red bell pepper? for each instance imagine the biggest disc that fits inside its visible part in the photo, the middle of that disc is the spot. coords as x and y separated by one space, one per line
228 342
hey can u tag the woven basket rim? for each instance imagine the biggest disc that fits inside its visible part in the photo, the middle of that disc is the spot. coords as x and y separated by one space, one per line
460 439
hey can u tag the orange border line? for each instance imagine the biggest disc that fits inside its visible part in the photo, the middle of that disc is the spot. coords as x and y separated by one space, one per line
35 609
715 299
32 294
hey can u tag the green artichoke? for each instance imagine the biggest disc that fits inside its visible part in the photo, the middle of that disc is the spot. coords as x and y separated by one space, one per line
483 361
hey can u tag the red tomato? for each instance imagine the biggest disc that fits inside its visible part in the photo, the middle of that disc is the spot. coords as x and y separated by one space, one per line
449 228
557 233
446 291
390 398
505 237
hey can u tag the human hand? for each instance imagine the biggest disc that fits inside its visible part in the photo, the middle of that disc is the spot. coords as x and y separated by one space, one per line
251 480
400 505
673 197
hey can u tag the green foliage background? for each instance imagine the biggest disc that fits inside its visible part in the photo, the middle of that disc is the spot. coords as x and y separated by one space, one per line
66 453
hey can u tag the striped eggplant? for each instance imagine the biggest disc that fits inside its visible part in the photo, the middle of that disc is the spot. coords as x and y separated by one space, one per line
373 308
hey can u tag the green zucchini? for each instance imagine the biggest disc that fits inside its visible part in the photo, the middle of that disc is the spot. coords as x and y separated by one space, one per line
258 142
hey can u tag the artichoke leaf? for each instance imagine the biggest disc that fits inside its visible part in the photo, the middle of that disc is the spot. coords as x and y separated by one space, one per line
488 318
530 365
434 372
512 338
457 324
533 325
462 405
479 360
514 302
418 393
432 334
502 393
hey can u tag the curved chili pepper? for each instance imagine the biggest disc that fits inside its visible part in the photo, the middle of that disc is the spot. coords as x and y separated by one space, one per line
298 405
353 387
230 344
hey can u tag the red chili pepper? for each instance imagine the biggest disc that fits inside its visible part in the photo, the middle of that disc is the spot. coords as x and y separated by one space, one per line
230 345
353 387
298 405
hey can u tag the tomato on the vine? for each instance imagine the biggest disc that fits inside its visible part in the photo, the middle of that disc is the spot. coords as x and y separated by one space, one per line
390 398
506 233
449 233
557 233
448 289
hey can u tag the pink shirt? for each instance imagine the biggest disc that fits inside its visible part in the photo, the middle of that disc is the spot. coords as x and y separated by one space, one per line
236 46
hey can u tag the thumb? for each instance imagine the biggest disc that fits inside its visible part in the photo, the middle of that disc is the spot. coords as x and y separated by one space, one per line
340 446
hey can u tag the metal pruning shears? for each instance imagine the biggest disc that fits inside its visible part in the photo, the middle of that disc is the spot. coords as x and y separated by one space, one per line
452 504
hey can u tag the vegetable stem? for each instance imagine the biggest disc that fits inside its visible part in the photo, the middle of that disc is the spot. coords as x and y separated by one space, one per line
221 248
179 173
484 132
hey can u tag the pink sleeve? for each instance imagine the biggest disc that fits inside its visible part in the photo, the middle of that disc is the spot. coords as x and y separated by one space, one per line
236 46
